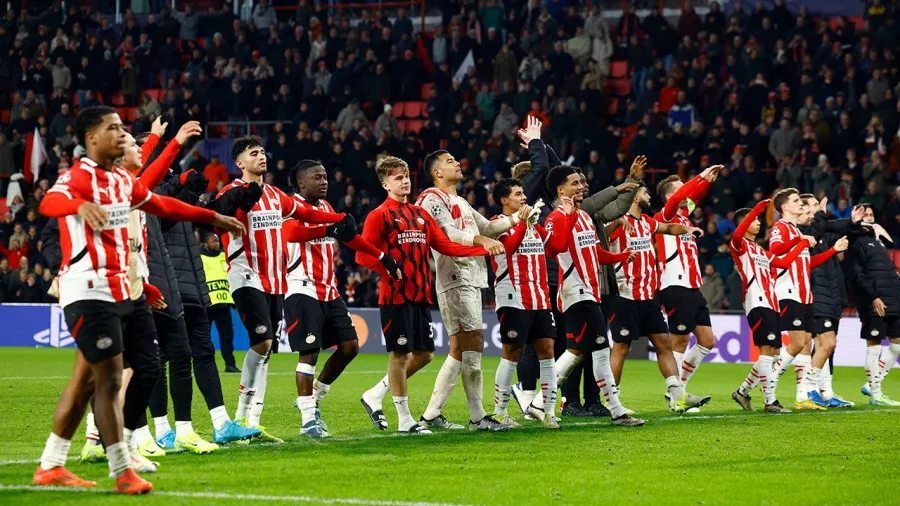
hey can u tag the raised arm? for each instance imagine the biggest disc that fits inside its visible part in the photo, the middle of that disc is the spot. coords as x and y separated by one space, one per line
670 211
295 232
736 243
493 228
439 213
513 238
558 233
778 245
822 257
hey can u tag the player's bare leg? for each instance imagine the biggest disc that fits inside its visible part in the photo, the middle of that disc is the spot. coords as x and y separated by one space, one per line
338 361
679 400
694 357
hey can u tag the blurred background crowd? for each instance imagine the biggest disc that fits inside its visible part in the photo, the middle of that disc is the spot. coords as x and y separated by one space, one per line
781 95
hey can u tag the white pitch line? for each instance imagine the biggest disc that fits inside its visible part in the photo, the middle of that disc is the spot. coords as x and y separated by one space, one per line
218 495
526 428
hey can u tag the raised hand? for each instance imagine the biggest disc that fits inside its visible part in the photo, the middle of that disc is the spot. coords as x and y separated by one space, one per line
811 240
823 205
627 187
524 212
637 168
568 204
858 213
158 127
188 130
229 224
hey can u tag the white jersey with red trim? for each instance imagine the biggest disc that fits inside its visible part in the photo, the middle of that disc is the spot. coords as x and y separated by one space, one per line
641 275
579 264
310 266
520 277
679 258
95 263
256 259
753 264
792 283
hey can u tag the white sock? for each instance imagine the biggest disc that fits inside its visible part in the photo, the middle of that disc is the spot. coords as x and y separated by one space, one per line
142 435
695 356
320 390
753 378
530 395
443 387
375 395
873 369
888 360
811 381
91 433
161 424
252 363
119 458
548 384
473 384
55 452
129 438
606 382
767 377
307 406
824 386
781 365
404 418
679 360
183 428
503 385
219 417
262 379
802 363
564 365
675 388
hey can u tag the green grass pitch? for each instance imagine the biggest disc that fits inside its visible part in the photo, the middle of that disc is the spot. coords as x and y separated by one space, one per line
722 456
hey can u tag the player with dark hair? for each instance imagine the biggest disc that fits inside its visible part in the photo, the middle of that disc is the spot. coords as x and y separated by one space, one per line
636 309
408 234
680 276
459 284
92 201
523 296
756 267
257 270
315 315
579 295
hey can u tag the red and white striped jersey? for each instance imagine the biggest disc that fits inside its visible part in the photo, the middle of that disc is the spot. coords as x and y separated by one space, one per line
792 283
95 262
679 258
641 275
579 265
256 259
520 276
310 267
138 266
752 262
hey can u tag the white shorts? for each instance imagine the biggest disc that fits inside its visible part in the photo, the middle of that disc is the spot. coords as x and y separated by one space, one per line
461 309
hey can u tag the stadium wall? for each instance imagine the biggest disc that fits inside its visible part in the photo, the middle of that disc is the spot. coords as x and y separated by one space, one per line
43 326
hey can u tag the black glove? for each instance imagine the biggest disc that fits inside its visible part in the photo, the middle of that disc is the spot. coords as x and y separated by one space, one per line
197 182
343 230
390 265
251 195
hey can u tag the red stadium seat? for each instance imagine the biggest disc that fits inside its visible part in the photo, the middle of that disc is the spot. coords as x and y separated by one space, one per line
414 126
403 124
398 109
426 90
155 93
217 131
619 68
619 87
4 116
444 143
414 109
117 99
895 256
612 105
128 114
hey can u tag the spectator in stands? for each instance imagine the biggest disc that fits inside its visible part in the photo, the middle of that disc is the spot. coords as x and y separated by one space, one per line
216 174
713 288
348 115
388 124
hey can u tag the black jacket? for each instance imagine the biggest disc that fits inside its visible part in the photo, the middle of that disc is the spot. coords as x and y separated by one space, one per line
50 247
162 271
183 248
603 206
872 275
829 289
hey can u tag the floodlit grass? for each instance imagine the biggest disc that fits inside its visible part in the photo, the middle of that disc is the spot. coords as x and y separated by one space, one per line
722 456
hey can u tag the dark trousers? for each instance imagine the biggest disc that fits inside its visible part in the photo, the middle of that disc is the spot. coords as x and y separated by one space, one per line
220 314
142 355
175 349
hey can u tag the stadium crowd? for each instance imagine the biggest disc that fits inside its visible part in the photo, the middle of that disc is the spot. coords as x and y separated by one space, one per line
781 99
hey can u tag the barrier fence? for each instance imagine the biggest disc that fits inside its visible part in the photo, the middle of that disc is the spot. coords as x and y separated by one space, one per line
43 326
